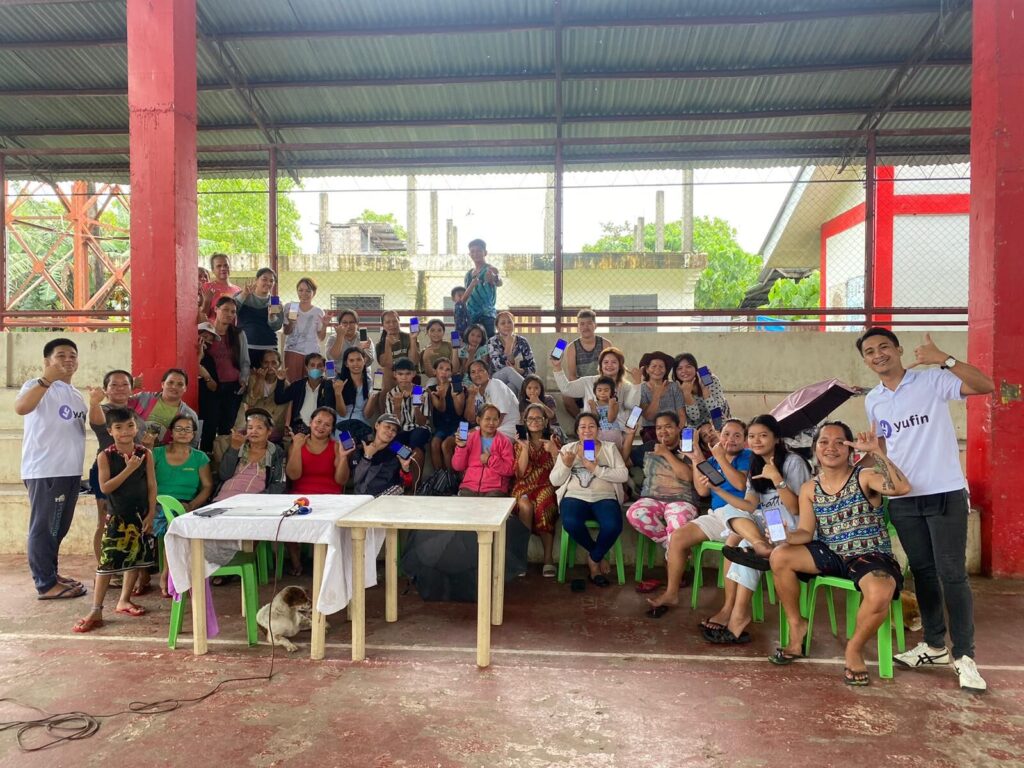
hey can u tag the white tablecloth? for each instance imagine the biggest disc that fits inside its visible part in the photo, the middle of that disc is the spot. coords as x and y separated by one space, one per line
318 527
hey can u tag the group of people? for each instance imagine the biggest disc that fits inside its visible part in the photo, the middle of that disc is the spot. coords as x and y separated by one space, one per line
343 411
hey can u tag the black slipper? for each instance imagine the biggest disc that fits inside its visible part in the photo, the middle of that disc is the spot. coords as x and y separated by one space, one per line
726 637
747 557
600 580
855 678
578 585
657 611
782 657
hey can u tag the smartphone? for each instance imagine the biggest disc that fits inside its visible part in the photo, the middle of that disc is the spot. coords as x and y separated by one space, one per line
634 417
293 312
686 442
363 335
715 477
589 450
546 434
521 431
776 528
705 375
559 350
456 340
457 382
275 301
417 394
716 418
463 430
329 371
401 451
345 438
414 325
378 380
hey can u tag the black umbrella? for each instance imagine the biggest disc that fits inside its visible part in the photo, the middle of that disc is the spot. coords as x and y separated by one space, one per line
443 564
808 406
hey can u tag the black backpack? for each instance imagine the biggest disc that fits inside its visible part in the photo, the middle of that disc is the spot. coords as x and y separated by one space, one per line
443 482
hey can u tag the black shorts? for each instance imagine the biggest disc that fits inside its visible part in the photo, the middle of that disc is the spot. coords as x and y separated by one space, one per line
857 567
417 437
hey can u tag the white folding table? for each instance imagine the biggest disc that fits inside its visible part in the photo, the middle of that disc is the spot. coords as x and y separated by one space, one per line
486 516
250 518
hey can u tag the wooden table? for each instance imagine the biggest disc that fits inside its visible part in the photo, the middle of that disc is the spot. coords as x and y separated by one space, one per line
186 551
485 516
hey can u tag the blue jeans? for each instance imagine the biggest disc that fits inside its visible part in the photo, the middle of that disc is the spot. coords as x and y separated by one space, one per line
576 512
933 532
487 321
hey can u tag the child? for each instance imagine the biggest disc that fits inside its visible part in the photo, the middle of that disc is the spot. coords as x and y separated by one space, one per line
446 406
437 349
533 393
127 478
414 419
487 457
459 310
606 407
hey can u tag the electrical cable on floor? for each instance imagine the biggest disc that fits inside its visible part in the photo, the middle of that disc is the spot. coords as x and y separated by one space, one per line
65 727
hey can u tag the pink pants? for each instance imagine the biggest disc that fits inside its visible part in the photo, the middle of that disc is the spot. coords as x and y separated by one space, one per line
658 519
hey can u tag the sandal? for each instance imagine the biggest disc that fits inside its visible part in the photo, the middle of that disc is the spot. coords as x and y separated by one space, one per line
88 623
747 557
859 678
67 593
135 610
549 571
600 580
726 637
782 657
648 585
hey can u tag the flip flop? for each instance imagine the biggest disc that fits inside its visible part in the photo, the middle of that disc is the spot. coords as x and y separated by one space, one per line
600 580
726 637
70 591
648 585
87 624
135 610
549 571
782 657
747 557
657 612
856 678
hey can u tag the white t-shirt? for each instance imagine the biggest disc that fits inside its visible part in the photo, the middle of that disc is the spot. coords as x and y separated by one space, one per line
497 393
303 339
54 441
795 472
918 431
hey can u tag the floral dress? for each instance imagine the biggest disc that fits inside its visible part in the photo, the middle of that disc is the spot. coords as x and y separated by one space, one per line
536 486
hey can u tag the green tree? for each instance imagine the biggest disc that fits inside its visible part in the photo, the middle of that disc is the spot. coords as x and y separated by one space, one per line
793 294
730 270
233 216
384 218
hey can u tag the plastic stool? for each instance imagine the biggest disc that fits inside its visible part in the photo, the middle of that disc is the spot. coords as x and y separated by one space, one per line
698 572
646 549
565 554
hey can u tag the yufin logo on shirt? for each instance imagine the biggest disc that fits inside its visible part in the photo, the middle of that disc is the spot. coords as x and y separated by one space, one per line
899 425
66 413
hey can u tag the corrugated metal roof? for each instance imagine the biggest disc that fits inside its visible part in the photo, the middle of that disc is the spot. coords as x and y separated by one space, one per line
733 62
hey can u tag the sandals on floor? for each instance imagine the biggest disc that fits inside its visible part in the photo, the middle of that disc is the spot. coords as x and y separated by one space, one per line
87 624
549 571
747 557
600 580
712 626
726 637
70 591
782 657
856 678
135 610
648 585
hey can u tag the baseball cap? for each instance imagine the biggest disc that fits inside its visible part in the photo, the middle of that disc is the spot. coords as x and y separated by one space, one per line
208 327
388 418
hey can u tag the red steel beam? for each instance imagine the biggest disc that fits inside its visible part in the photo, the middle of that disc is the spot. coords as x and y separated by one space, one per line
3 238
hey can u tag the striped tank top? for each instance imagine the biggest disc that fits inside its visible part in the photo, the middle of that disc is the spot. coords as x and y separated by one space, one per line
847 523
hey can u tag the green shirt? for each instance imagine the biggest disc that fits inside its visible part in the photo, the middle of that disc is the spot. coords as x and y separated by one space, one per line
181 481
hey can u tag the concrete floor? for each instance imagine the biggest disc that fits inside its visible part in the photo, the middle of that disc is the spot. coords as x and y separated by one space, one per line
576 680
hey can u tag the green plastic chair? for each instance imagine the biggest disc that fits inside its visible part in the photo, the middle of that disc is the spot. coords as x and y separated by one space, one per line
243 565
567 550
646 550
784 624
698 572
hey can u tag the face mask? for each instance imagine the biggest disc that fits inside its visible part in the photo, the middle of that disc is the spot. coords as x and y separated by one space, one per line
315 374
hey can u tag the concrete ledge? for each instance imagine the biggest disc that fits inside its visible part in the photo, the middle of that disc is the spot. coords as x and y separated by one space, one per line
14 523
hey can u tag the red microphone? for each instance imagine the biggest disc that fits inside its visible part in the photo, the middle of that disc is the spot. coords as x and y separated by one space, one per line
299 507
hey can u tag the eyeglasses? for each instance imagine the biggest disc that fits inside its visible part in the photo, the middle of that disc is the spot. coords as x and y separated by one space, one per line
182 430
534 419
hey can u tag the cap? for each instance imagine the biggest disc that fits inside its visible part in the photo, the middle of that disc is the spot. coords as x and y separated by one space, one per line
389 418
404 364
208 327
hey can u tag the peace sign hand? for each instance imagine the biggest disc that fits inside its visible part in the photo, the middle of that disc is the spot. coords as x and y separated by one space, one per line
928 353
770 473
866 442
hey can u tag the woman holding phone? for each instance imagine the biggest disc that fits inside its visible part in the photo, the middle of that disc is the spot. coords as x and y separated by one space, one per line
589 475
536 504
610 363
358 402
474 348
486 457
702 392
446 406
437 349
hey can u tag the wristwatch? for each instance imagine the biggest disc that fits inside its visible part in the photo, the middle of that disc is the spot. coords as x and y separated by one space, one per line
949 363
781 485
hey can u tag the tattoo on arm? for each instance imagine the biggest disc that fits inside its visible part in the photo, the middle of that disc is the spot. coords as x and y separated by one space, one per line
882 468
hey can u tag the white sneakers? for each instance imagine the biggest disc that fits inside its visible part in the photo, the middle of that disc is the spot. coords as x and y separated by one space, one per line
923 655
967 670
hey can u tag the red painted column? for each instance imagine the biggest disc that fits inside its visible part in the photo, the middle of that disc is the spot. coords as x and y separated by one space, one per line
162 141
995 457
882 275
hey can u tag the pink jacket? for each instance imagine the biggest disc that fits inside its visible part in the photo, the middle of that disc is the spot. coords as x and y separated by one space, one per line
500 467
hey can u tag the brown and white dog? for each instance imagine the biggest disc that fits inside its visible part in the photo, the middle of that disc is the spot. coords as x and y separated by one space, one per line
285 616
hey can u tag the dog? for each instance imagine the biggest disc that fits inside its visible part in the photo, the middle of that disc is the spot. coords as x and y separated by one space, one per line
285 616
911 611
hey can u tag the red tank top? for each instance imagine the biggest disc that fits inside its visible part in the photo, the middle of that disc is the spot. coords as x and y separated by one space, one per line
317 472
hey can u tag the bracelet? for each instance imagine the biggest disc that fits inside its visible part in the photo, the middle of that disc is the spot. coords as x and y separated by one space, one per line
44 383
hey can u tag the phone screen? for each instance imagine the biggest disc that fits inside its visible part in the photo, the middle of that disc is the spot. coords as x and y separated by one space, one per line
417 394
329 371
346 441
716 418
589 450
414 325
634 417
559 350
463 430
378 380
705 375
456 341
521 432
686 443
457 382
401 451
362 335
715 477
776 528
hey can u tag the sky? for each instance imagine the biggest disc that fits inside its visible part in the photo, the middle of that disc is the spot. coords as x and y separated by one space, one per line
507 210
